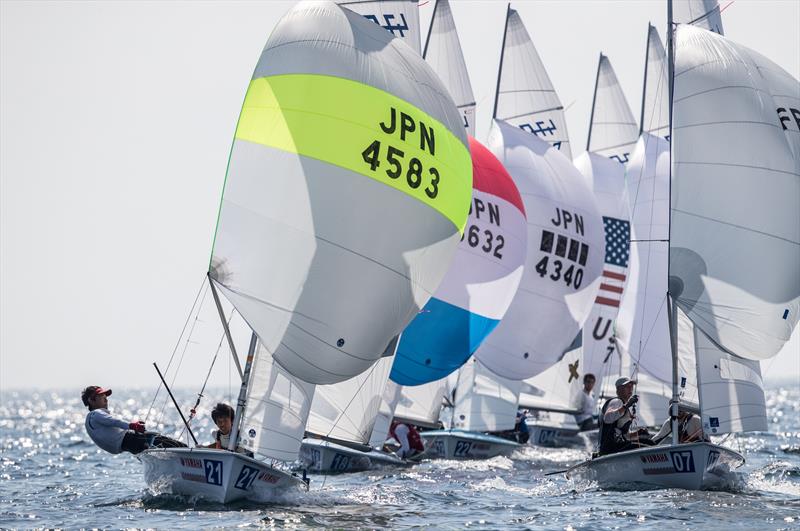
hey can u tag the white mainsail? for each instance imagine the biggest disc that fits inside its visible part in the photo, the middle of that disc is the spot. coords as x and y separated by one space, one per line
314 209
422 404
525 95
701 13
398 17
443 52
735 237
484 401
613 131
564 261
655 98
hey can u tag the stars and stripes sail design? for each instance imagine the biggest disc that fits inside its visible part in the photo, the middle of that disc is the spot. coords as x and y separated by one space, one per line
615 266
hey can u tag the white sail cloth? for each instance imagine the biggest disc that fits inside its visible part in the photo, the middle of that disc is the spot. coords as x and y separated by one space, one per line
701 13
607 179
655 99
612 128
564 261
484 401
313 211
398 17
443 53
735 237
347 410
277 407
422 404
525 95
643 321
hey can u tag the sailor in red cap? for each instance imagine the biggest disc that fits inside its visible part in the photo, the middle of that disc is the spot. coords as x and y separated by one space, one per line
114 435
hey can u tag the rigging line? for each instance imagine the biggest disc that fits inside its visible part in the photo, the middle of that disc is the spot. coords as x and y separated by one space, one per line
342 414
178 342
742 227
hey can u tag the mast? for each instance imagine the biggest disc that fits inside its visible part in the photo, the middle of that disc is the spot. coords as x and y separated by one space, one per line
225 326
430 29
240 402
594 100
644 83
500 68
673 309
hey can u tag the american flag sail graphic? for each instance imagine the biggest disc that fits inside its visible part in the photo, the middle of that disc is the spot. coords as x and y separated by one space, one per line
615 268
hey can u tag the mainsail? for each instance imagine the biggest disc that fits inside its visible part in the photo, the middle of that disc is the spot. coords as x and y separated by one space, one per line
398 17
443 53
704 14
735 239
347 191
564 262
655 97
525 95
480 284
612 129
484 401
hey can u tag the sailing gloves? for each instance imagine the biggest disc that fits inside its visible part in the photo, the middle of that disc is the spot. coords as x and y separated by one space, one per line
137 426
632 400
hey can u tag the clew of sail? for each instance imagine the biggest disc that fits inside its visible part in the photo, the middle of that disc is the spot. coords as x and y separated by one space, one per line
398 17
612 128
480 284
443 52
349 174
525 95
564 262
735 239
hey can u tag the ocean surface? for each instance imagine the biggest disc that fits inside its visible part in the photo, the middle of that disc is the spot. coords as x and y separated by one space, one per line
52 475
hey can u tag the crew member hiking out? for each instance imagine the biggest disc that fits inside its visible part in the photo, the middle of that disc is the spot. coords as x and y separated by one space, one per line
115 435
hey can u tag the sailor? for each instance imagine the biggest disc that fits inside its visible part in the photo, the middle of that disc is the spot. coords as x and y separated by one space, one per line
521 431
114 435
222 415
585 418
409 439
690 428
617 416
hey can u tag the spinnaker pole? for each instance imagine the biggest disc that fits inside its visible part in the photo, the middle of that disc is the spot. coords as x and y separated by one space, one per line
240 402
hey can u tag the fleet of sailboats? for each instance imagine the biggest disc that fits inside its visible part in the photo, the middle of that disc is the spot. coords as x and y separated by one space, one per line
391 267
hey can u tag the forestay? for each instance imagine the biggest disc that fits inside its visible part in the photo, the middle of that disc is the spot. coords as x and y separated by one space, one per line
735 240
564 262
484 401
348 186
525 95
443 53
347 410
606 178
480 284
398 17
612 129
276 410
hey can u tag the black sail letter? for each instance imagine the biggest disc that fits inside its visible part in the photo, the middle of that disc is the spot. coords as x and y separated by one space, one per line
392 124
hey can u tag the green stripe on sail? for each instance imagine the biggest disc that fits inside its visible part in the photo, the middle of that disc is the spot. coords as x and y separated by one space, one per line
338 121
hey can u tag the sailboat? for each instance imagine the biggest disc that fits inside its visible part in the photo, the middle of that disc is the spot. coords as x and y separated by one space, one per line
346 195
726 307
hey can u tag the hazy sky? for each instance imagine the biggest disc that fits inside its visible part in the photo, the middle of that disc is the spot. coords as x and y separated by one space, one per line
116 123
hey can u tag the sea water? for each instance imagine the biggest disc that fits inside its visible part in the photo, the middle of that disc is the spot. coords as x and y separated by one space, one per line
52 475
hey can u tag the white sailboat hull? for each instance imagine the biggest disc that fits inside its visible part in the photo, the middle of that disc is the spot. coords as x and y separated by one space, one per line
693 466
457 444
326 457
214 475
